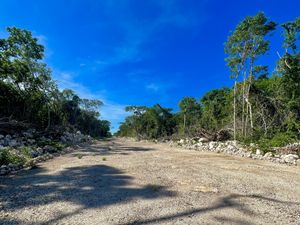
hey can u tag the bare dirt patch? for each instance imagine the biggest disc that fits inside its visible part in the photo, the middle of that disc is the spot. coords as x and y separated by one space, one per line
144 183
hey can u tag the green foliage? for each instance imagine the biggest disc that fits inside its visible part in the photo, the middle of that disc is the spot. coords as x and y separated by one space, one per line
79 156
291 34
244 46
267 106
25 151
9 156
189 115
217 109
147 123
278 140
247 42
28 93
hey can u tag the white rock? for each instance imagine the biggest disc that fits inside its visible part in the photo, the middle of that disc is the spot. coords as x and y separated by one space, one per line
203 140
231 148
212 145
258 152
199 144
290 158
181 141
268 154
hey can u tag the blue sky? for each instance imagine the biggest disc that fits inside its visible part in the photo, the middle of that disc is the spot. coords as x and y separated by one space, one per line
139 52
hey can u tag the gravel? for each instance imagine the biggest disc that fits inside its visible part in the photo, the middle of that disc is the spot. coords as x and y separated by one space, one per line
147 183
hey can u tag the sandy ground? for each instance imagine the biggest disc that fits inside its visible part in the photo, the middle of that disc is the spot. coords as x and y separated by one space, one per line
123 182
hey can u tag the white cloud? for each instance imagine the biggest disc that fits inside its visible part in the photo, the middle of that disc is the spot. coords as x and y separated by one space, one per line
137 34
111 111
42 39
153 87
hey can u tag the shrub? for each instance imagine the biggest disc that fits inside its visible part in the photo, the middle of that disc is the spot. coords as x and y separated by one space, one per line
26 152
79 156
278 140
8 156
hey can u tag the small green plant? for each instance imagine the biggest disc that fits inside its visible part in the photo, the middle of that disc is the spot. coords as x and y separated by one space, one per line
8 156
30 164
26 152
79 156
104 159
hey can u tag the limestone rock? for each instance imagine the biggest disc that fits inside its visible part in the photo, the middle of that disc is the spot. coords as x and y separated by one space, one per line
268 154
258 152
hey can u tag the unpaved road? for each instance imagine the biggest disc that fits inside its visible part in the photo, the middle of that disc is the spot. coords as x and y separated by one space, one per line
142 183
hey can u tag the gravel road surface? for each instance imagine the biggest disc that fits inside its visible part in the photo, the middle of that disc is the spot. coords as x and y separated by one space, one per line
125 182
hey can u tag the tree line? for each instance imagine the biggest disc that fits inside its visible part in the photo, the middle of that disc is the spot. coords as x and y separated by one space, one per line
261 107
30 96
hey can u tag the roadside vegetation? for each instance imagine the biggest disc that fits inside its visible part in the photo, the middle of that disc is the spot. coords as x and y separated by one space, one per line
262 107
30 98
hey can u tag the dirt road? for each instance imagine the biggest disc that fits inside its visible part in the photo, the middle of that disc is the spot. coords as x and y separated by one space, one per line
123 182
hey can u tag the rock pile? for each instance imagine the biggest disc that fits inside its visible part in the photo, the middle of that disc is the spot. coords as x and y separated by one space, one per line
235 148
7 169
75 138
31 137
30 147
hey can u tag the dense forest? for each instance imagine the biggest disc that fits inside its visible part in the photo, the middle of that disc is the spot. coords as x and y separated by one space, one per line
29 97
262 106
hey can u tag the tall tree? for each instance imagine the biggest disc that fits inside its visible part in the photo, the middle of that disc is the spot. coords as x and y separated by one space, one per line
244 46
289 68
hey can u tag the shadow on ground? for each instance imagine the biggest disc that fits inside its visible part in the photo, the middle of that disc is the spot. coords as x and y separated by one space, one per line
113 148
233 201
89 187
97 186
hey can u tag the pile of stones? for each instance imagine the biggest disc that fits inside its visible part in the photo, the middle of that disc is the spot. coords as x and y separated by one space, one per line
35 148
277 155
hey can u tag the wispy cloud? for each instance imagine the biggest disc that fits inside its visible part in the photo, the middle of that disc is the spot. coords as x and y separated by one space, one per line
137 33
111 111
153 87
153 84
42 39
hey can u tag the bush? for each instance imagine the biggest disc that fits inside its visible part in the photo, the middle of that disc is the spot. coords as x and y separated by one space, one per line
8 156
278 140
26 152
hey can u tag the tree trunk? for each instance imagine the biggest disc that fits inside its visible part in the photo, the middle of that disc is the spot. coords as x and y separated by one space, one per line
234 112
243 106
49 118
184 122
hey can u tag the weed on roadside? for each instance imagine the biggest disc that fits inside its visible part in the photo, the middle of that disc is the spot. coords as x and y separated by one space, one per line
79 156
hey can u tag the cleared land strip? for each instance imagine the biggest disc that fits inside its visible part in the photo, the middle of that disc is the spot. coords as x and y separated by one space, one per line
123 182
